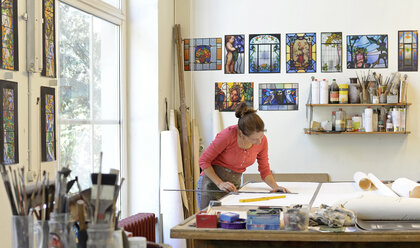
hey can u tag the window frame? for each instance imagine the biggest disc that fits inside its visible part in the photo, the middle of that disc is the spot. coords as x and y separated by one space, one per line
115 16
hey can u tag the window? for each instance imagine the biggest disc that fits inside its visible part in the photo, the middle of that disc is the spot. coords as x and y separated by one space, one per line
115 3
89 93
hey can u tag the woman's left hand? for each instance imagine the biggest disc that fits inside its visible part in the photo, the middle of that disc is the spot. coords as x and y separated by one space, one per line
280 189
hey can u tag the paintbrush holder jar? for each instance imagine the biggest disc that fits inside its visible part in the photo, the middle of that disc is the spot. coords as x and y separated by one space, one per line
61 232
296 217
100 236
41 232
22 231
354 93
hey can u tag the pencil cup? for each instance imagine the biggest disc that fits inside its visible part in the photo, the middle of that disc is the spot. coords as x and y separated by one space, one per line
59 233
22 231
296 218
41 231
100 236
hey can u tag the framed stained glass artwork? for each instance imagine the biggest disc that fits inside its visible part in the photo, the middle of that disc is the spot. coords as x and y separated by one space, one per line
279 96
331 52
48 144
264 53
9 35
407 50
48 39
9 143
367 51
234 54
229 95
300 52
203 54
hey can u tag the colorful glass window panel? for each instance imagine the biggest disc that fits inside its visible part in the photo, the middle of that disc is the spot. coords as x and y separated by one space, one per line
407 50
203 54
279 96
264 53
8 91
49 57
300 52
234 54
48 124
367 51
229 95
332 52
9 35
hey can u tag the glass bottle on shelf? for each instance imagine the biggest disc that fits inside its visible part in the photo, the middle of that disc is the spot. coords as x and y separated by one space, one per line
334 91
333 120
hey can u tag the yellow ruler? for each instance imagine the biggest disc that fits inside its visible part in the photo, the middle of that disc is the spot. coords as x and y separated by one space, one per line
262 198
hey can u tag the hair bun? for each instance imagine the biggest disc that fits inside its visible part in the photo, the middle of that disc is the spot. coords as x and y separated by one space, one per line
242 109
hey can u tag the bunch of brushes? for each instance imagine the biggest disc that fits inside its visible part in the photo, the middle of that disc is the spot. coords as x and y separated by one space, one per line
376 85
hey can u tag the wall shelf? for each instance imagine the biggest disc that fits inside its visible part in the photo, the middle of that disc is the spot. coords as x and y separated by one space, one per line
358 105
307 131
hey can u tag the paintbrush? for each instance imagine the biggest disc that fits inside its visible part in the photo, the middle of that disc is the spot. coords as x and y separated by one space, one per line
6 181
98 189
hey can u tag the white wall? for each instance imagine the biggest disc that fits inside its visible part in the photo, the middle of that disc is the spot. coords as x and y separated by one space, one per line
290 150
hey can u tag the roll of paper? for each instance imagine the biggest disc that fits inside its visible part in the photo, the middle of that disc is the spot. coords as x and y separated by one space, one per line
170 201
406 187
368 120
382 188
323 92
362 181
217 123
375 207
315 91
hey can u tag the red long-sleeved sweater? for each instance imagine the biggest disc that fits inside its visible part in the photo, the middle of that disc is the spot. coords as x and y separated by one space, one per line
224 151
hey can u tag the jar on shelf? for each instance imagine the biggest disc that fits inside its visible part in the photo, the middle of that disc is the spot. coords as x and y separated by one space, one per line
343 94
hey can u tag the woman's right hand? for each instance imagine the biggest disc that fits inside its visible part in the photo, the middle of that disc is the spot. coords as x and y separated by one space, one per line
227 186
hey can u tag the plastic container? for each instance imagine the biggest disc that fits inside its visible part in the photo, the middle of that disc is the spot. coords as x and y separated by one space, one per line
343 95
323 92
340 120
22 231
357 121
61 232
315 91
137 242
368 121
41 231
100 236
296 218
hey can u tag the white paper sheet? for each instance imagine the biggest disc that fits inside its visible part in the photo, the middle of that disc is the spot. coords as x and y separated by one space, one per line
305 192
331 193
403 186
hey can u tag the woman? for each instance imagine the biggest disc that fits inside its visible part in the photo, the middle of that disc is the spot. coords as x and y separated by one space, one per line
233 150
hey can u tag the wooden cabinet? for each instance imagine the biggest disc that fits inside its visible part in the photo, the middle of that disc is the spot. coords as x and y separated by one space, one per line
311 108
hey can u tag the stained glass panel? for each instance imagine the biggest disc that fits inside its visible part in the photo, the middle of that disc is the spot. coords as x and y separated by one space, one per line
367 51
331 52
48 124
49 59
407 50
203 54
9 35
279 96
234 54
300 52
229 95
264 53
9 122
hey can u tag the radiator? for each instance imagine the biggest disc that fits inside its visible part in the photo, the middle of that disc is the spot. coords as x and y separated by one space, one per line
141 225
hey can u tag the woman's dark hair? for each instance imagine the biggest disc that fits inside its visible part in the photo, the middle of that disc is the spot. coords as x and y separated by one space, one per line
249 122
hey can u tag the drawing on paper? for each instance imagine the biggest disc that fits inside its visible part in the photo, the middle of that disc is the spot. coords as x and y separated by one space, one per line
229 95
9 35
48 124
203 54
9 123
407 50
279 96
300 52
367 51
331 52
264 53
234 54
